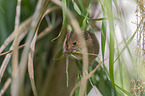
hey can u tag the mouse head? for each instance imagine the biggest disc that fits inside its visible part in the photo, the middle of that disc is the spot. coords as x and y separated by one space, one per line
71 43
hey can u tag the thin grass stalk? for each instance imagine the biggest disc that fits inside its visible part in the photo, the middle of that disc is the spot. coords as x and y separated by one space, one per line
67 74
30 65
5 87
22 28
128 42
76 27
108 5
61 38
55 54
5 53
103 39
6 42
31 54
17 17
8 56
15 43
34 25
47 30
22 36
40 36
89 75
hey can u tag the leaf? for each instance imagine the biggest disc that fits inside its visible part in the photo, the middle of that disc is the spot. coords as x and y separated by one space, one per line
99 19
127 43
123 90
103 38
115 3
77 9
81 5
109 13
30 65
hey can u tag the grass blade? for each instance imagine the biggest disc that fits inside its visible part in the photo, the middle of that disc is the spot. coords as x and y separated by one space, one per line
123 90
30 65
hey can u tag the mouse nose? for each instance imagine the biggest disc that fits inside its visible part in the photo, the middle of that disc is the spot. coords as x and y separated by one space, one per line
65 51
74 51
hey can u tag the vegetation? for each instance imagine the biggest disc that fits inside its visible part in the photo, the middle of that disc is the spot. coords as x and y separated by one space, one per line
32 62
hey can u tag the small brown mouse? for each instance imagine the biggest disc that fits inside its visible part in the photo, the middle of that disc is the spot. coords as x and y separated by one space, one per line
73 45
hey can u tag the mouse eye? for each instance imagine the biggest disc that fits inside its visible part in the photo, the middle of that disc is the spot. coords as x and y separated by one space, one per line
74 43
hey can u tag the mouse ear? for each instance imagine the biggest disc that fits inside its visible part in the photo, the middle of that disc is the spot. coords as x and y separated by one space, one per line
68 33
85 34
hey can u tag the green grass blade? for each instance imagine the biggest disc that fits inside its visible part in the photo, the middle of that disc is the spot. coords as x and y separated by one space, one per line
81 5
123 90
115 3
127 43
103 38
108 5
120 69
99 19
77 9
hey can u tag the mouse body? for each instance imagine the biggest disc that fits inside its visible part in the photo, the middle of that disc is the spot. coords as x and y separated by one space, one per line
73 45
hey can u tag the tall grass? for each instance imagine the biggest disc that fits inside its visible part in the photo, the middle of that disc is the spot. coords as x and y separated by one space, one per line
38 67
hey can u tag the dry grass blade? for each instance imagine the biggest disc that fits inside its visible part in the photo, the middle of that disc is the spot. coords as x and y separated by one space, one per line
67 75
87 77
45 88
6 85
8 56
47 30
50 10
4 64
17 18
22 28
12 50
39 11
15 43
7 41
30 65
76 27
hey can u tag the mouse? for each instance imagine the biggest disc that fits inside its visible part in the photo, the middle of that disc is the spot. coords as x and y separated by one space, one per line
72 45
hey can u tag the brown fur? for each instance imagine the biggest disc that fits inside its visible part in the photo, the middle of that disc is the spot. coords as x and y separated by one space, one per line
71 47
